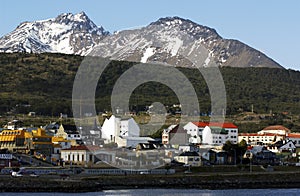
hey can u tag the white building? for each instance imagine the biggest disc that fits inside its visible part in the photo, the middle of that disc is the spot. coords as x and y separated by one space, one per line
123 132
129 128
275 129
111 129
295 138
212 133
132 141
189 158
268 135
80 155
116 127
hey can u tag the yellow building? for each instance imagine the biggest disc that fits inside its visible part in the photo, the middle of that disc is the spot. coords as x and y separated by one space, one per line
23 141
41 142
15 140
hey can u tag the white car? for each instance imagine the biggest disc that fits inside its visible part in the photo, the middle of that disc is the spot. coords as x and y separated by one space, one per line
16 174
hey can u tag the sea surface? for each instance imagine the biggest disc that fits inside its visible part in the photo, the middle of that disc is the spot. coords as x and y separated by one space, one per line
171 192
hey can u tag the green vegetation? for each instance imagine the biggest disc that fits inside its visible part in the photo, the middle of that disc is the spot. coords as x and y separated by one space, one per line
43 83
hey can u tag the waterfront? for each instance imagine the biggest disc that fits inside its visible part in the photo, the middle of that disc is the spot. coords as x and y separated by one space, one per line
172 192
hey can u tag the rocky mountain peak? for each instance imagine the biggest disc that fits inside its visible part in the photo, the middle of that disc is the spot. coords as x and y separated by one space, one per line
171 40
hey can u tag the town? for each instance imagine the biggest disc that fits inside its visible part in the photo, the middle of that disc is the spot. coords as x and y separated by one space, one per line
117 147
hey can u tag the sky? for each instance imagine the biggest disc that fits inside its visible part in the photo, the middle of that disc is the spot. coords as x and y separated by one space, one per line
272 27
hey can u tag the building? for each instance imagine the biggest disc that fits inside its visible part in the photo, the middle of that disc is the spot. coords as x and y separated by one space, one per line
69 132
295 138
116 127
174 135
275 129
132 142
260 155
282 146
14 125
212 133
16 141
267 136
124 132
41 143
189 158
261 139
79 155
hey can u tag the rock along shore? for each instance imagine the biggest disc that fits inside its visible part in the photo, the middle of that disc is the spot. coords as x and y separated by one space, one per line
80 183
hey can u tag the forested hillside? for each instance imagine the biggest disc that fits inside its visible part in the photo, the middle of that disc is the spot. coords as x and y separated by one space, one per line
43 83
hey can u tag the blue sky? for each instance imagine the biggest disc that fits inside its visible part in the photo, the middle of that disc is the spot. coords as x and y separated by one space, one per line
269 26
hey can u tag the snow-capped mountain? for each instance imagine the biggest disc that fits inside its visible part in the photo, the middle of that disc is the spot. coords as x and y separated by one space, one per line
180 42
172 40
67 33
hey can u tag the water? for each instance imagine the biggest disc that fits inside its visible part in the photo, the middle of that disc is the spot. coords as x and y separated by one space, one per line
171 192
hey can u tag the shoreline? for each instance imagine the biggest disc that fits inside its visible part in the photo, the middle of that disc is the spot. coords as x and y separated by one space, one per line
79 183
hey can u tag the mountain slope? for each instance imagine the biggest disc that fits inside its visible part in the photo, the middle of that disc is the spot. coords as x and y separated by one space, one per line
180 42
45 82
172 40
67 33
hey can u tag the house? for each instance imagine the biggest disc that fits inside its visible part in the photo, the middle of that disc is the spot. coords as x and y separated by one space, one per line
149 154
174 135
295 138
14 125
79 155
189 158
282 146
212 133
260 155
217 156
188 148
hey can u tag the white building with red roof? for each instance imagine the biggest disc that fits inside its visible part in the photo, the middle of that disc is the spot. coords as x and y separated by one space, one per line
268 135
212 133
295 138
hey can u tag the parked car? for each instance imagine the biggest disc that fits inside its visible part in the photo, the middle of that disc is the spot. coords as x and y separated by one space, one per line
144 172
16 174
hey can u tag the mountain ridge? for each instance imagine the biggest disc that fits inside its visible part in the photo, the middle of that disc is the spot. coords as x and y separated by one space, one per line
170 40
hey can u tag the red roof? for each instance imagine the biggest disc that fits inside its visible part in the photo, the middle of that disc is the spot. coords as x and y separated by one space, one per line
276 127
83 147
256 134
215 124
294 135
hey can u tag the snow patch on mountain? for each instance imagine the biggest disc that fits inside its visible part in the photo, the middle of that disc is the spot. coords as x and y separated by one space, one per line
148 53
